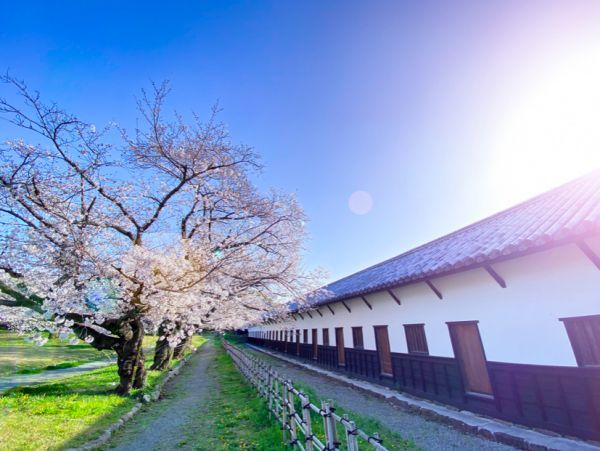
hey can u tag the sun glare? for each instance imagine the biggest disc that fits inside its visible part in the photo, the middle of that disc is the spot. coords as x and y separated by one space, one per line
553 134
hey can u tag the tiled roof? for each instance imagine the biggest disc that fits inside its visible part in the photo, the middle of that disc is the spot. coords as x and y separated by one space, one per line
562 214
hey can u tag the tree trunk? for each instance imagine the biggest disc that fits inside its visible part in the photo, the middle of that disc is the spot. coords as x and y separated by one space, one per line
163 352
126 340
130 357
182 346
140 373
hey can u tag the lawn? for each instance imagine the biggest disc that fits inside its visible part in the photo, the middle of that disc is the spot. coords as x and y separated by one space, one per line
68 412
18 356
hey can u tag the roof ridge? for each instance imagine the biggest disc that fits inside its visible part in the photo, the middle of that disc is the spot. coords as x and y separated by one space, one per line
494 216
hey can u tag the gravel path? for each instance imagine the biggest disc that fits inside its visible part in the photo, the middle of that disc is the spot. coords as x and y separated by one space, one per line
427 434
168 424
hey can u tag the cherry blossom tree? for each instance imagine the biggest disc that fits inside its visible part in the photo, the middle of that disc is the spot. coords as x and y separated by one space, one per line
107 232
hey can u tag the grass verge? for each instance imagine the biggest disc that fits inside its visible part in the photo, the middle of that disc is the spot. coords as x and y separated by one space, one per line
391 440
68 412
234 418
370 425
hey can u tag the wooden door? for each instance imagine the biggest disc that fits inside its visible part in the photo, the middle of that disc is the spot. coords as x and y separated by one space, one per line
339 343
315 347
469 352
382 342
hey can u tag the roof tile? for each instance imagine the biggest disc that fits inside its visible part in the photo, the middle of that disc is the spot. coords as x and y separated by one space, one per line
564 213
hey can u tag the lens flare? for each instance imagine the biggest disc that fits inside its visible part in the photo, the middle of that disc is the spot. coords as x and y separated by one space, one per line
360 202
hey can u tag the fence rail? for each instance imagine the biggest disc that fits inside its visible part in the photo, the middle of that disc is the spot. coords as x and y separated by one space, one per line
292 408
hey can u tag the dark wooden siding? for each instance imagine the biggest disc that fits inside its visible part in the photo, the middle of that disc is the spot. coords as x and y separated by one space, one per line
563 399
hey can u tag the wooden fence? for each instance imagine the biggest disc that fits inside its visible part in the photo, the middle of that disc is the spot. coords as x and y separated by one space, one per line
292 408
560 399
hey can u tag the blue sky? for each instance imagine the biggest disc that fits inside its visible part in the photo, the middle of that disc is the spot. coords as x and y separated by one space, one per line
443 112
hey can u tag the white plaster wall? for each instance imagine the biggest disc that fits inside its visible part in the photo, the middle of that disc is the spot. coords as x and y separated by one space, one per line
518 324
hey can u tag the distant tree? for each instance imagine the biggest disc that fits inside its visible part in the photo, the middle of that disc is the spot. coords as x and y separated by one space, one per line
105 235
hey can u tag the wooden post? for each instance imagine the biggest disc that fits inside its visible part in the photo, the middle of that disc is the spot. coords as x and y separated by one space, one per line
308 446
270 385
351 439
333 427
263 378
291 414
284 412
275 398
331 442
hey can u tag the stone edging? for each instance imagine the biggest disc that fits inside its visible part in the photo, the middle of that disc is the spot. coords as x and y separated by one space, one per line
107 434
463 420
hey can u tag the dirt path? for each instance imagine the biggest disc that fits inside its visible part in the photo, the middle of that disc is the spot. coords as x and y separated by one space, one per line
426 434
169 423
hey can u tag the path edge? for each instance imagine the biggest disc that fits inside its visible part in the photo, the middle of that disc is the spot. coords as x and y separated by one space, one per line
154 396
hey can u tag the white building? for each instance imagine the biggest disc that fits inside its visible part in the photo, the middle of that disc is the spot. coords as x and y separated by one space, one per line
501 317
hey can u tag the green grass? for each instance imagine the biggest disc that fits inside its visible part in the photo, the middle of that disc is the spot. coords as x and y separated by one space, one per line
68 412
18 356
58 366
235 339
370 425
234 418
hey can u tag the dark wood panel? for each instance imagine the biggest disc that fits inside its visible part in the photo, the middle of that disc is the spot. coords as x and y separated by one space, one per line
562 399
325 337
357 338
339 343
416 341
584 334
382 341
468 349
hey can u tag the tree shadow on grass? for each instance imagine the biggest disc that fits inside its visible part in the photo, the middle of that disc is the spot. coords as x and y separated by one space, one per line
62 414
68 412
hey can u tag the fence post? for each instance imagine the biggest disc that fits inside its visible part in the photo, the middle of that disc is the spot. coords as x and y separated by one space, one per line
291 414
261 381
307 426
329 426
284 411
270 385
351 438
265 382
276 398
